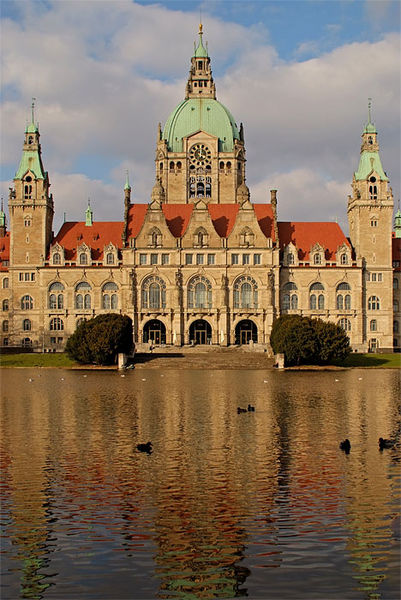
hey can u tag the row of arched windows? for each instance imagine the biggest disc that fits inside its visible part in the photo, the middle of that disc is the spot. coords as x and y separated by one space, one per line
316 259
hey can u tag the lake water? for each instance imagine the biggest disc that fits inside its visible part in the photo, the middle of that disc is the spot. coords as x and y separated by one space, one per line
262 505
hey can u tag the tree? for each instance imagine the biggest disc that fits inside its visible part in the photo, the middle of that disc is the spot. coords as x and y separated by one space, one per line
99 340
308 341
333 342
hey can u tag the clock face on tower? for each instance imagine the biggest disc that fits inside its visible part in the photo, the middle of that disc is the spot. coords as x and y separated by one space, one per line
200 155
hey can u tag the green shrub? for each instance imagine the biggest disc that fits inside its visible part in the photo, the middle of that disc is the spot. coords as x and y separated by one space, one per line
308 341
99 340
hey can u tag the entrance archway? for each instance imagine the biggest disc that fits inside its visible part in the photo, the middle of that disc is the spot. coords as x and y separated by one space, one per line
200 332
246 331
154 331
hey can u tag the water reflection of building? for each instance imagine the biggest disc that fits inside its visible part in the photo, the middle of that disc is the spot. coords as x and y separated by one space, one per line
217 482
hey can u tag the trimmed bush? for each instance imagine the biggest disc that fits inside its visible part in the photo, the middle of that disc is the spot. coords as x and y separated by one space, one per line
99 340
308 341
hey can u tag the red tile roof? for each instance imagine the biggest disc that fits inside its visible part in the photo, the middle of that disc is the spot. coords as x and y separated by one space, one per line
264 215
305 235
4 251
136 217
177 217
223 217
96 236
397 253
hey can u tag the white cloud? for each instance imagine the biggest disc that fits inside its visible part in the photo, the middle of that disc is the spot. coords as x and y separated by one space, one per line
105 73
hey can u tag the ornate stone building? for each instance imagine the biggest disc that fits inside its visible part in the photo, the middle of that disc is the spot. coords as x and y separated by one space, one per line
200 263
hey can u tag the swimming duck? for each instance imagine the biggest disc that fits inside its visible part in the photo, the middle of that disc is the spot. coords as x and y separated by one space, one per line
241 410
145 447
385 443
345 445
251 408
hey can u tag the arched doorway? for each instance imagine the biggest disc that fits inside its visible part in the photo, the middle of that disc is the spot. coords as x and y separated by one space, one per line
154 331
200 332
246 331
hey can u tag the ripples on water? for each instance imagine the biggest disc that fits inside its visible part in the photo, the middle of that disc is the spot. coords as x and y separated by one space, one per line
262 504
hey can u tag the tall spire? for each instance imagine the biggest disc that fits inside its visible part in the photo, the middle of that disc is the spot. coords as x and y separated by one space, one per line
397 222
89 215
127 184
32 127
369 127
200 82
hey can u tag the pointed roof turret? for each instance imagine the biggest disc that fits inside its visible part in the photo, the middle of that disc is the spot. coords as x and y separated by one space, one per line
200 50
31 159
89 215
2 220
370 159
127 184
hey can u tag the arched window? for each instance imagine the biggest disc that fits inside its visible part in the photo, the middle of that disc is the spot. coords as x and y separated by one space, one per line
344 259
199 292
83 258
289 298
27 342
154 238
200 238
5 326
396 305
343 300
345 324
109 296
5 304
316 286
110 258
317 259
395 284
26 325
373 325
245 293
26 303
57 258
153 293
82 295
290 258
312 302
6 283
56 324
320 302
395 327
316 301
56 295
374 303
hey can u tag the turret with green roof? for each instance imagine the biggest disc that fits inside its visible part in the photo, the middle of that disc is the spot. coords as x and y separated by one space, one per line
370 159
200 110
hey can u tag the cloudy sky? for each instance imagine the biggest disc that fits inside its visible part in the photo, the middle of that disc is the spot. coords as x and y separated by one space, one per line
297 73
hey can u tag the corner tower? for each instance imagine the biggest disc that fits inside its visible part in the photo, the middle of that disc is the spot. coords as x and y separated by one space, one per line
370 208
30 205
200 153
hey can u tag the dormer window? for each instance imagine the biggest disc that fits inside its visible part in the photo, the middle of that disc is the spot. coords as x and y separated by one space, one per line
110 258
344 259
317 259
56 258
290 258
83 258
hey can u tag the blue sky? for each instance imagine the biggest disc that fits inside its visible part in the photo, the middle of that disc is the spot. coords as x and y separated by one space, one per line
297 73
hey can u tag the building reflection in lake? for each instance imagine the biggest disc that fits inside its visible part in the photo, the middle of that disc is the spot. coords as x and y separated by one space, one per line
224 504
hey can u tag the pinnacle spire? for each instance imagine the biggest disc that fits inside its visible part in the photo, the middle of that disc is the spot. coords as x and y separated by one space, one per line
127 184
369 127
89 215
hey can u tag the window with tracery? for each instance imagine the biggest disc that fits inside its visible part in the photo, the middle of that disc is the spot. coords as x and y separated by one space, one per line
343 298
109 296
26 303
83 298
56 324
345 324
56 295
245 293
153 293
199 292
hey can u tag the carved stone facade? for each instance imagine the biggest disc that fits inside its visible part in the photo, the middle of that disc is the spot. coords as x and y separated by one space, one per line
199 264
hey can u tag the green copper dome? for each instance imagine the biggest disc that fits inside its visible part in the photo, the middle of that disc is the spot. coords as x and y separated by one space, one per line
200 114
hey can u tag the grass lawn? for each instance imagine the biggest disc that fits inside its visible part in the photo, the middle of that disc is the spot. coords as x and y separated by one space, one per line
371 360
34 359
